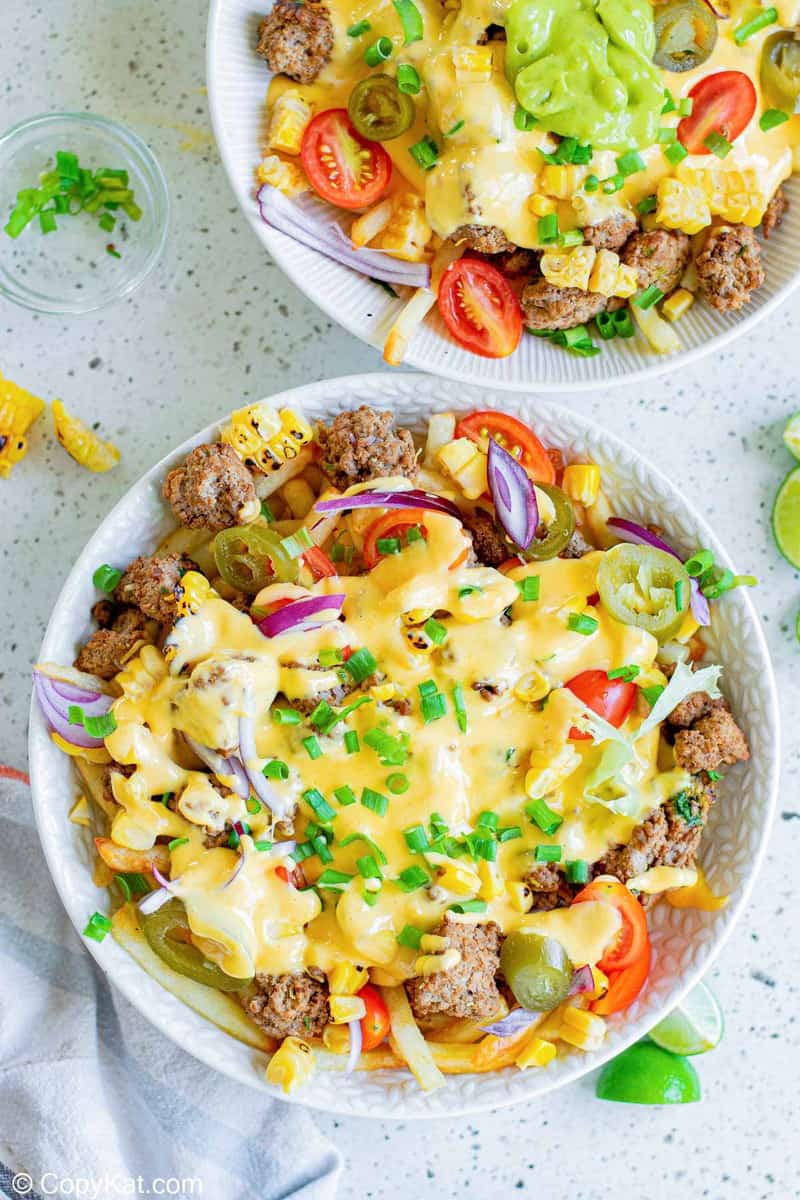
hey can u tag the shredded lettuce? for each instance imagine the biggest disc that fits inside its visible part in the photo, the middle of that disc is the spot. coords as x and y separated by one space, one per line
683 683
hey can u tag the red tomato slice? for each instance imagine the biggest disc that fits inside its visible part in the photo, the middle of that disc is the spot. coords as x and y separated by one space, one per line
319 564
479 308
510 564
611 699
723 103
624 986
512 435
375 1023
633 941
295 877
343 167
391 524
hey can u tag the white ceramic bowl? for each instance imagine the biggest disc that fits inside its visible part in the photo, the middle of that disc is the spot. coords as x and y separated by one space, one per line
237 87
685 942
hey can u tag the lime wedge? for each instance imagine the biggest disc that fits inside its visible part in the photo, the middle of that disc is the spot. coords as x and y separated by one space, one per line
786 517
646 1074
694 1026
791 435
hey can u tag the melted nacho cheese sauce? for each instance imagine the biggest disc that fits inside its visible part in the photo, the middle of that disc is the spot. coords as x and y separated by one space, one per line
217 668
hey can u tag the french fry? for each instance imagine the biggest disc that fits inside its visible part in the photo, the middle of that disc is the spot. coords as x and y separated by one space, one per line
267 484
466 1030
223 1011
407 1041
371 223
92 776
405 326
196 543
495 1052
120 858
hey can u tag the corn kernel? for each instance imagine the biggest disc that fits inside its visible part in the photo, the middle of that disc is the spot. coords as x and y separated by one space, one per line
603 278
581 482
288 120
432 943
291 1065
407 233
383 692
346 979
286 177
460 880
569 268
346 1008
432 964
679 303
681 205
492 883
473 64
194 591
336 1038
583 1022
265 437
520 896
534 685
560 181
417 616
542 206
537 1054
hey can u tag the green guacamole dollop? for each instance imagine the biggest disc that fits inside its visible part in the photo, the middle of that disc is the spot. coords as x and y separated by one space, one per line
584 68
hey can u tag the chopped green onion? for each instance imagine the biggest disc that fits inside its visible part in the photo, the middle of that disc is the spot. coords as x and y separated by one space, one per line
275 769
337 549
581 623
322 716
650 296
96 727
312 747
460 707
509 833
571 237
302 851
483 847
413 878
700 562
685 106
360 27
605 325
675 153
469 906
320 845
416 838
669 102
623 323
428 687
577 870
107 222
391 545
433 708
392 751
176 842
569 150
136 883
267 512
665 137
767 17
425 152
648 205
334 879
375 801
345 795
679 605
252 805
318 804
628 673
651 694
330 656
524 121
263 845
98 927
488 819
297 543
410 19
408 80
547 854
286 716
548 228
772 118
436 631
614 184
438 824
720 581
630 163
360 665
413 534
468 591
397 783
106 578
368 867
410 936
543 816
713 776
110 249
362 837
378 52
718 144
454 130
529 588
351 743
591 183
47 222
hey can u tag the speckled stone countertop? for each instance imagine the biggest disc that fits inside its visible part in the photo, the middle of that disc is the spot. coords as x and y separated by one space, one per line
219 325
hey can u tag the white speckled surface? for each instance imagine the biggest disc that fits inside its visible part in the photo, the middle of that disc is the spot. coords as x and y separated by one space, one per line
219 324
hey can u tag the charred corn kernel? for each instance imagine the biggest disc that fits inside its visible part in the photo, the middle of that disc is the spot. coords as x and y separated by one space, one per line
432 943
520 896
473 64
465 463
583 1025
264 437
600 984
346 979
370 223
458 879
300 497
560 181
419 641
336 1038
581 482
537 1054
569 268
417 616
291 1065
81 443
287 123
287 177
542 206
79 813
736 195
533 685
407 233
681 206
661 336
432 964
383 692
195 590
18 410
346 1008
492 883
679 303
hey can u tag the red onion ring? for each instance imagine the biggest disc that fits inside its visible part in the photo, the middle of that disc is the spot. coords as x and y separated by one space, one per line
513 495
356 1042
56 710
414 498
630 531
300 616
582 981
279 807
154 901
229 767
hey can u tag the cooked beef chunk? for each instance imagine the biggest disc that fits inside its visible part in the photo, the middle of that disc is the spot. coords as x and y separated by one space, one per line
103 613
577 546
517 261
289 1005
729 267
647 842
669 837
774 213
363 445
212 490
659 256
611 233
696 705
714 740
488 541
487 239
296 39
546 306
106 650
469 989
154 584
549 887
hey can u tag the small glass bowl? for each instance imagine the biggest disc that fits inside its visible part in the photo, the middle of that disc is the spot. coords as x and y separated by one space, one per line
71 270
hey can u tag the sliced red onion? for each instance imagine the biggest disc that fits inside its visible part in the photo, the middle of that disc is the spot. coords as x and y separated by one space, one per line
515 1022
721 10
241 860
582 981
228 768
154 901
74 694
414 498
630 531
279 807
356 1042
169 884
302 615
309 220
56 706
513 495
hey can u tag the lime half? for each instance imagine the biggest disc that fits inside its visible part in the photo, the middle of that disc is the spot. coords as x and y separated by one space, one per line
791 435
694 1027
646 1074
786 518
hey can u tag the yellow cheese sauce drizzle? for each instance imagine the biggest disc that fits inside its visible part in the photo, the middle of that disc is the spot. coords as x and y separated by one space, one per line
218 667
488 169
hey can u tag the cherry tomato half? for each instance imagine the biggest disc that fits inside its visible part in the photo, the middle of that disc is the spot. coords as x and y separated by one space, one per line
319 564
513 436
344 168
611 699
393 524
723 103
375 1023
623 986
479 308
633 941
